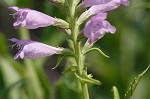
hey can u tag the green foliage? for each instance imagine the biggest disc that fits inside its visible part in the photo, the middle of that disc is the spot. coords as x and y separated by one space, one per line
60 59
96 49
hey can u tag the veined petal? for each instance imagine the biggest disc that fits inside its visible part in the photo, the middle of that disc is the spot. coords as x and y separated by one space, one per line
32 49
111 5
31 19
88 3
96 27
38 50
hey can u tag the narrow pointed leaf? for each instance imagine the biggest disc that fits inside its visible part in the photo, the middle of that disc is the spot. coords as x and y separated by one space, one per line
96 49
135 82
60 59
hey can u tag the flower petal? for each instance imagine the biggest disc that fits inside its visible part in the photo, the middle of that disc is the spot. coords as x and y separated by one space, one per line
32 49
96 27
19 55
31 19
113 4
38 50
14 8
88 3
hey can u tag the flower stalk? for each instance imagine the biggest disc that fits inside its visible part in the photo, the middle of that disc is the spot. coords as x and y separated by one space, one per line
79 57
80 66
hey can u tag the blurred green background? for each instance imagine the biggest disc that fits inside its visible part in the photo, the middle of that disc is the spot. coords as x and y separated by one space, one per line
128 48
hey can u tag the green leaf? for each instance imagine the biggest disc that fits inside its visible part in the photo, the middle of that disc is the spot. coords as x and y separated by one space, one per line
115 92
87 79
60 59
95 49
135 82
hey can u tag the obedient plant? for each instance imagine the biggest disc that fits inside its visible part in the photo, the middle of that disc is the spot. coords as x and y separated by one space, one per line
90 13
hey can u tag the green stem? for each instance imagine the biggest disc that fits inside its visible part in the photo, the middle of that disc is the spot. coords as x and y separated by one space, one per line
80 64
79 57
85 91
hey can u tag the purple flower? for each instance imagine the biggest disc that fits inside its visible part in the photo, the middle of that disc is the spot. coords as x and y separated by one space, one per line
31 19
106 6
32 49
88 3
97 26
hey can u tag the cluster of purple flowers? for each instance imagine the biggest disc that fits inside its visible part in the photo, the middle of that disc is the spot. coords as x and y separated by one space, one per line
94 29
32 19
97 26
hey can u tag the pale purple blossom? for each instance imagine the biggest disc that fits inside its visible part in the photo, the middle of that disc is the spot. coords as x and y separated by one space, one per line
104 7
96 27
31 19
32 49
88 3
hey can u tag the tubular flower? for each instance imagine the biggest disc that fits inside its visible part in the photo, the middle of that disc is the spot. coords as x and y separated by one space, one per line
107 6
32 49
88 3
31 19
96 27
